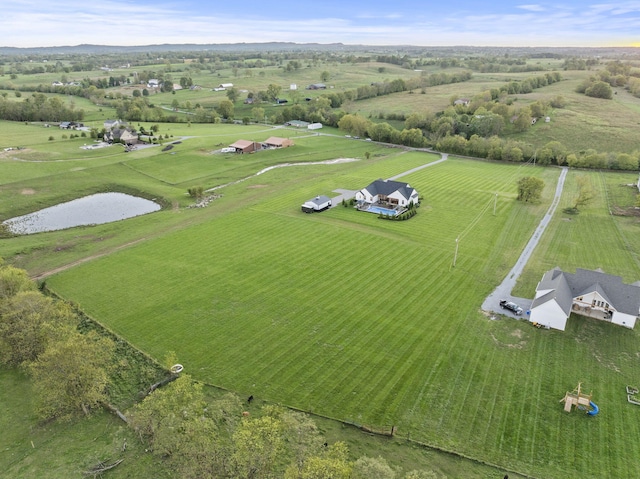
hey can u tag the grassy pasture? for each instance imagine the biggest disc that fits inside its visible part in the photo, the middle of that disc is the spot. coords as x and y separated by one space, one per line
277 311
347 315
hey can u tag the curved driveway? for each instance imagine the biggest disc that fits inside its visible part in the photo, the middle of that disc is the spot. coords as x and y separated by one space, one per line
503 291
348 194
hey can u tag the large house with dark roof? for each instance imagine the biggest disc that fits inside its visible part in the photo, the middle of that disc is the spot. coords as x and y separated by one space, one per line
388 192
587 293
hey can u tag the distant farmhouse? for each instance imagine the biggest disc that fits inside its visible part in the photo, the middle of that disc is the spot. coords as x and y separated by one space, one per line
317 86
121 135
588 293
110 124
388 193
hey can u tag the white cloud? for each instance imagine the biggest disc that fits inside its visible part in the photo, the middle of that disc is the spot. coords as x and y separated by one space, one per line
113 22
532 8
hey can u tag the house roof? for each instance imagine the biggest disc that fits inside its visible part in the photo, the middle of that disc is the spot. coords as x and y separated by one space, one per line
559 291
622 297
319 200
242 144
276 141
387 187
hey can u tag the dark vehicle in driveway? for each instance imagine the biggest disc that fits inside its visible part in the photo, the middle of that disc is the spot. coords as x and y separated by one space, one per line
513 307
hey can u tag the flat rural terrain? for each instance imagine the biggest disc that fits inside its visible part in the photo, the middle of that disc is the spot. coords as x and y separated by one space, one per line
343 314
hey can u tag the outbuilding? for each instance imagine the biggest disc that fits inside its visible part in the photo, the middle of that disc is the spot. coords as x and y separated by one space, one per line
276 142
319 203
246 146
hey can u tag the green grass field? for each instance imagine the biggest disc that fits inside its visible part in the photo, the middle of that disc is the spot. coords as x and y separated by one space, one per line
340 313
363 320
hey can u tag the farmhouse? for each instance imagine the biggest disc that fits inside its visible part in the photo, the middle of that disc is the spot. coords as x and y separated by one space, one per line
124 135
587 293
109 124
317 86
246 146
275 142
388 193
319 203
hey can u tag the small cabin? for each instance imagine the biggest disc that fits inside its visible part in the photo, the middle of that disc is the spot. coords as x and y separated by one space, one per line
319 203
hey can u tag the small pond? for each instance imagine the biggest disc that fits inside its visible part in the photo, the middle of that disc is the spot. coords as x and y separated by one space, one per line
90 210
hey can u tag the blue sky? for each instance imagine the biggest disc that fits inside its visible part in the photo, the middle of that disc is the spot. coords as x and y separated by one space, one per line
31 23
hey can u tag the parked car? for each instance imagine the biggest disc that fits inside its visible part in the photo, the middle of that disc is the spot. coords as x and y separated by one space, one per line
513 307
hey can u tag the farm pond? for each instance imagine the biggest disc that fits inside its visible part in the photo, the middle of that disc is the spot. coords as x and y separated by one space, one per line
94 209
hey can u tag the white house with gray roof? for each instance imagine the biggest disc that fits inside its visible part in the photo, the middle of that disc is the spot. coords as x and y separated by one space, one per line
588 293
389 192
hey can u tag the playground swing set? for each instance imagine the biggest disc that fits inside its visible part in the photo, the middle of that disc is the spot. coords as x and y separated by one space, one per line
580 400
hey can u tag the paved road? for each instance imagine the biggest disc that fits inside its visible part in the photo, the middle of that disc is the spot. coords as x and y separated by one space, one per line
503 291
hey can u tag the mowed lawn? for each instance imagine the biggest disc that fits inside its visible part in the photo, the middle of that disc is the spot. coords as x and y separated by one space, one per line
366 320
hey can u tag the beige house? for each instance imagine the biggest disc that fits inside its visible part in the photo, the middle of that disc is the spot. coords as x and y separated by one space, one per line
118 135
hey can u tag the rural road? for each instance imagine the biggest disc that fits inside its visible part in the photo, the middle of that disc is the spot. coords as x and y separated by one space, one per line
503 291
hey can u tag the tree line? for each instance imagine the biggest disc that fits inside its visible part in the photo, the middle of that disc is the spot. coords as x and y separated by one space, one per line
38 107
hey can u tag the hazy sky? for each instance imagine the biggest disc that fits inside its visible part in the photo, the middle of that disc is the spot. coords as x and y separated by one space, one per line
30 23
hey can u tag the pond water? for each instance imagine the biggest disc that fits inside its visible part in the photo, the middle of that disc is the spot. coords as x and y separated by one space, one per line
90 210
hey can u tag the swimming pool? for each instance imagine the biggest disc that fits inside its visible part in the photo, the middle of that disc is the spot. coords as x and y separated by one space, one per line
381 210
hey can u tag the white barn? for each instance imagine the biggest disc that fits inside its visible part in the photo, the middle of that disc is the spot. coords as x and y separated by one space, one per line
587 293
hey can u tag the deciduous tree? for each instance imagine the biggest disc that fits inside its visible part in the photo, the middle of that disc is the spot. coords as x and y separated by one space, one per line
28 322
225 108
13 280
530 189
71 375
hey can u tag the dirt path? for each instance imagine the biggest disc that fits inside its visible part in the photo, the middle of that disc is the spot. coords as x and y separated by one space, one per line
65 267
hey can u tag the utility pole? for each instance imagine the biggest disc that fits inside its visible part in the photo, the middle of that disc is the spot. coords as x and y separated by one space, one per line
455 256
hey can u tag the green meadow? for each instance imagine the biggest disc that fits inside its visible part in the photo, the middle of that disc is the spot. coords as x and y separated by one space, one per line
343 314
363 320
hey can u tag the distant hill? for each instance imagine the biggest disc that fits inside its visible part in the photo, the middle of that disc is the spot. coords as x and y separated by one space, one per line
338 47
191 47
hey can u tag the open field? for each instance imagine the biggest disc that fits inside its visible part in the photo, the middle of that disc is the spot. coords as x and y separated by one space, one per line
340 313
264 301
